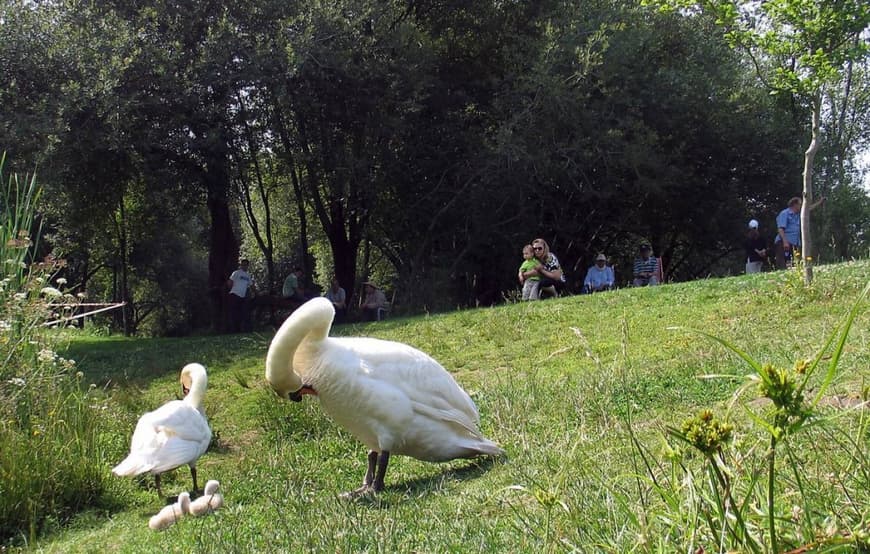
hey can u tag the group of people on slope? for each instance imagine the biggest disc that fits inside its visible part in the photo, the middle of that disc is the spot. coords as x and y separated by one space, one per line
540 271
241 287
786 243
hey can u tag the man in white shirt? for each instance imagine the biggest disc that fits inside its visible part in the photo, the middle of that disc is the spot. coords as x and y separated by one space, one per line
239 283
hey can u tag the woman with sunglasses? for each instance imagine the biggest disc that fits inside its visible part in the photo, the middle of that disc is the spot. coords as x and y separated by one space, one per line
550 271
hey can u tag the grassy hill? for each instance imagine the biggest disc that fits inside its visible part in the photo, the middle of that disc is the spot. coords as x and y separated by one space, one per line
578 390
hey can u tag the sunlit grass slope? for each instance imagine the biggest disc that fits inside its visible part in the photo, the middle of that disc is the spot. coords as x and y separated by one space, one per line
559 383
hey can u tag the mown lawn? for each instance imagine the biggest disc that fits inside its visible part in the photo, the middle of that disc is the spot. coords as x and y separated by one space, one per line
559 384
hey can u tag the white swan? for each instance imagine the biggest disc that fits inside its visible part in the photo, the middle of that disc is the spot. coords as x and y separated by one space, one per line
170 514
210 500
174 434
394 398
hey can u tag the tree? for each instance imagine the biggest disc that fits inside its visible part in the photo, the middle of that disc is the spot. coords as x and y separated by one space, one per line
798 47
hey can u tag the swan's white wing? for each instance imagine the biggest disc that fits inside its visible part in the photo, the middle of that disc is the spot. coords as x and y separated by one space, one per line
170 436
416 374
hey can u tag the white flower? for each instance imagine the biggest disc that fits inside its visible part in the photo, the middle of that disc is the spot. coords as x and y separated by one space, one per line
5 325
46 355
20 296
51 292
61 281
18 381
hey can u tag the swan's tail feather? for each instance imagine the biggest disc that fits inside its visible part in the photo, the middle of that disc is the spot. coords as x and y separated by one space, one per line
489 448
132 465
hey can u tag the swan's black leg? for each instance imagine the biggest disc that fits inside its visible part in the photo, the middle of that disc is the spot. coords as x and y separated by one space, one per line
383 460
157 483
193 475
374 475
370 472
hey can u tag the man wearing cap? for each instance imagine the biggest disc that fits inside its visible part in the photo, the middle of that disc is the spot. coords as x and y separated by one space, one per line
599 277
646 268
756 249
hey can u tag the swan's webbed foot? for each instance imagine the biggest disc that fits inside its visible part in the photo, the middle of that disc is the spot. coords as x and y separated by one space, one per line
373 482
365 490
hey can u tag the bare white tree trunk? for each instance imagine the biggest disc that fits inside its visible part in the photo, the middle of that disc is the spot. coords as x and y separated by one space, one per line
809 156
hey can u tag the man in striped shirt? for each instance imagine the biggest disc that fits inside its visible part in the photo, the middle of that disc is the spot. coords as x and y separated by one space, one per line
646 268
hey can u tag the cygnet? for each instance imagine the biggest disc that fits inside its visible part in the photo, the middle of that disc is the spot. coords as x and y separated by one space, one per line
169 515
210 500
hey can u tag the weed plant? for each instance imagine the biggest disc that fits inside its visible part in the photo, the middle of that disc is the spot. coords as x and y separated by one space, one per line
47 423
762 493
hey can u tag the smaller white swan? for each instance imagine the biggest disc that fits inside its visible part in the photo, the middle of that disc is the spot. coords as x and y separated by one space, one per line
210 500
169 515
174 434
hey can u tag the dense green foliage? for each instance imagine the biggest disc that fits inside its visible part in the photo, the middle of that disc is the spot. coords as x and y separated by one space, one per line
580 391
419 143
47 421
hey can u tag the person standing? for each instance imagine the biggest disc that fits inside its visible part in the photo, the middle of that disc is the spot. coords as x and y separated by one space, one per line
599 277
756 249
240 284
646 268
788 232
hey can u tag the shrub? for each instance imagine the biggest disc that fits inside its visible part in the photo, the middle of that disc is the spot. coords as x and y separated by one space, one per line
50 462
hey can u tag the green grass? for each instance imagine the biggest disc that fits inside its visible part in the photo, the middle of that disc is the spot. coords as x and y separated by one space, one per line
558 383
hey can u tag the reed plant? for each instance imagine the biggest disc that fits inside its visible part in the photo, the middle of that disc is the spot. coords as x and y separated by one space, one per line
49 457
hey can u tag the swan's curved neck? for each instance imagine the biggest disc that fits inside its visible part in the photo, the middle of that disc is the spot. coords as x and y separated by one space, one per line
198 384
311 321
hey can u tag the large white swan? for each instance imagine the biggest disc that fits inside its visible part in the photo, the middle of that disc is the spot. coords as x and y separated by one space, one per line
394 398
174 434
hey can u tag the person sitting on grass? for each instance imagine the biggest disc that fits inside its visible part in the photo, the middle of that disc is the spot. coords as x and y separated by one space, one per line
599 277
646 268
373 303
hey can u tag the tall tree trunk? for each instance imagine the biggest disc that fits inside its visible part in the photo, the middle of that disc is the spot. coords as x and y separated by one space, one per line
809 156
223 246
344 249
264 237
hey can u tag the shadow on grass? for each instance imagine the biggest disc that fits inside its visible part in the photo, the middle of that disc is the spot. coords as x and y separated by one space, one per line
420 486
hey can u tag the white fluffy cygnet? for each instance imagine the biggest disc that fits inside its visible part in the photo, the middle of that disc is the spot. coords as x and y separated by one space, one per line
210 500
169 515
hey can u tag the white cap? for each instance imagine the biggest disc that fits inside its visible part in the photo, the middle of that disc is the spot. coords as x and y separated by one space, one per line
753 224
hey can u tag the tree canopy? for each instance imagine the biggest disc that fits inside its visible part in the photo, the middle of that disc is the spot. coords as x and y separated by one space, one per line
421 144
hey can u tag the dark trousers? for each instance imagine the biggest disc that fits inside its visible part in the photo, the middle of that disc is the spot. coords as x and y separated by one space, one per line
238 312
783 256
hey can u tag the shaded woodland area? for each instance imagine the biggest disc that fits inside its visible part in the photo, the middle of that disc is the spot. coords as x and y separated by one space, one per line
416 143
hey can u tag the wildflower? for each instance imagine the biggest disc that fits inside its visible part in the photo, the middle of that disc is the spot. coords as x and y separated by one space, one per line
61 281
17 381
20 296
46 355
800 366
51 292
706 433
5 325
